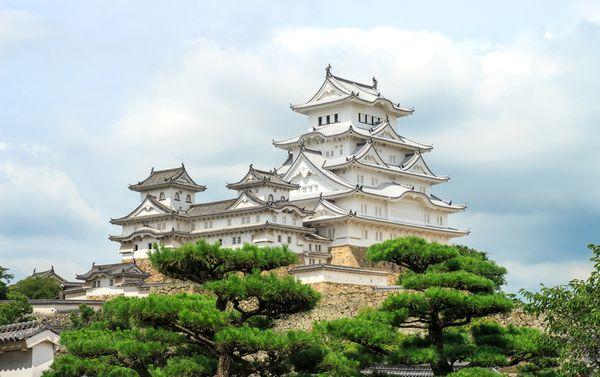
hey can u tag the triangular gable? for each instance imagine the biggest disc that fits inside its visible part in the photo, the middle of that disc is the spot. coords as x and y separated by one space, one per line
303 167
134 269
329 90
386 131
327 209
418 165
370 156
184 178
149 207
246 200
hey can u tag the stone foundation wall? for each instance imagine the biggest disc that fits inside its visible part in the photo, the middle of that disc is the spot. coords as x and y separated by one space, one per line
337 301
354 256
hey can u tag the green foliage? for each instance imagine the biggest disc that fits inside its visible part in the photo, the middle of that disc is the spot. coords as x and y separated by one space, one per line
81 318
225 329
571 315
16 310
276 296
474 372
35 287
202 261
5 278
447 288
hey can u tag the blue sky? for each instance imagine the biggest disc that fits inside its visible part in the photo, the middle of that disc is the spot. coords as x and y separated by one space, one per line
93 94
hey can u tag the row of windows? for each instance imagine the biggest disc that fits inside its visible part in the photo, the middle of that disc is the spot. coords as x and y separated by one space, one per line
247 220
310 188
378 235
272 199
314 261
96 283
316 248
438 219
136 247
339 148
369 119
188 197
280 238
328 119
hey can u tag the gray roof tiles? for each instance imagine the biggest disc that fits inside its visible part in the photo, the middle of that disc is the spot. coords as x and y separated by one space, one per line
159 178
115 269
21 331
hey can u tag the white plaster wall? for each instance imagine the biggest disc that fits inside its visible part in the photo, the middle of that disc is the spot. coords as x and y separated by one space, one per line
43 356
170 197
75 296
341 277
264 192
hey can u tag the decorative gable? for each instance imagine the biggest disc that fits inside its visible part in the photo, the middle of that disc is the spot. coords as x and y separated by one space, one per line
386 131
148 208
372 157
327 91
417 165
246 201
311 178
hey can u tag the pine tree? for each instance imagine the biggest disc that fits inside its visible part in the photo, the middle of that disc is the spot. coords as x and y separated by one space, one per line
446 289
224 329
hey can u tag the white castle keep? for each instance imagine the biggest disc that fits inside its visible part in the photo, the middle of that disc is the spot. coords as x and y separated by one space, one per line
349 181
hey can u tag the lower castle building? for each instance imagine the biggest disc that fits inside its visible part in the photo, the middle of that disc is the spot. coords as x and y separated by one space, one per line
349 181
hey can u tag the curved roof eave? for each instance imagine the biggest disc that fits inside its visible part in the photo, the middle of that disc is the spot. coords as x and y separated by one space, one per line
390 106
458 232
360 190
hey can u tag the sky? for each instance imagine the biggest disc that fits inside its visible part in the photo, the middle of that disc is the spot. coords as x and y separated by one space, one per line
94 94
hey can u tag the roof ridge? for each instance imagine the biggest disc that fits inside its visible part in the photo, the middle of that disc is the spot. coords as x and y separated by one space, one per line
209 203
20 325
353 82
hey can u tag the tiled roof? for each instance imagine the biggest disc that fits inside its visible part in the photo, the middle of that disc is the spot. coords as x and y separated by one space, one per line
349 89
49 273
115 269
210 208
165 177
21 331
261 177
403 370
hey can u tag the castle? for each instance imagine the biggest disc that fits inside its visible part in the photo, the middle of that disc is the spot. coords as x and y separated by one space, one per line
349 181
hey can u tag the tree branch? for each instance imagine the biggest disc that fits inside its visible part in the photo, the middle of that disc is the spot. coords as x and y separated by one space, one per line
197 338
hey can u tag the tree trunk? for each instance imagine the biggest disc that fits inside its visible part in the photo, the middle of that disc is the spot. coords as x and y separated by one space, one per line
442 367
223 365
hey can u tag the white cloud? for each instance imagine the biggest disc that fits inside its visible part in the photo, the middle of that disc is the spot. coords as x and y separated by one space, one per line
589 10
17 26
36 199
530 276
3 146
501 93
